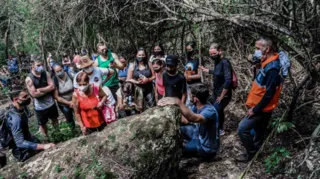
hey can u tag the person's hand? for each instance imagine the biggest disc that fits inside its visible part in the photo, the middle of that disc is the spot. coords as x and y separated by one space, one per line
112 64
187 77
144 80
48 146
168 101
38 91
219 99
122 106
204 69
71 104
84 130
100 104
250 112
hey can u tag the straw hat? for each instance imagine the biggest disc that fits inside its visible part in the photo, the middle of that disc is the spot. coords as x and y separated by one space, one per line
85 61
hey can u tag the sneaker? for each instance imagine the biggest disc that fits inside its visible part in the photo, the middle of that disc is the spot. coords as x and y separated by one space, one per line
221 132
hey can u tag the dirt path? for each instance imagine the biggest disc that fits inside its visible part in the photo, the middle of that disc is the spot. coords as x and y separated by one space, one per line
224 167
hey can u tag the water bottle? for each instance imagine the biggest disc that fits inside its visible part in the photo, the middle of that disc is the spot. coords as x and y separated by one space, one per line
129 100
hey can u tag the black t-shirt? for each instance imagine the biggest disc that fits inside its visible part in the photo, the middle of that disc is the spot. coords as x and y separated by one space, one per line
174 86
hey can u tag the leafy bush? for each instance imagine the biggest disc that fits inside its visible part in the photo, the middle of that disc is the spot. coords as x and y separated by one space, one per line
273 163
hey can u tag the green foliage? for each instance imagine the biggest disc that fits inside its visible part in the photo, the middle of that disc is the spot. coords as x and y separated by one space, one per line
58 168
273 162
64 133
282 126
23 175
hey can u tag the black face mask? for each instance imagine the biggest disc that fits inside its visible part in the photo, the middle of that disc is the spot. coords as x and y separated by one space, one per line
215 57
157 53
189 53
172 72
25 102
140 59
157 70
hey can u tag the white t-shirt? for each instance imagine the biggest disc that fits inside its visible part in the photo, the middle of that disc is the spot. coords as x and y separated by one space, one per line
95 78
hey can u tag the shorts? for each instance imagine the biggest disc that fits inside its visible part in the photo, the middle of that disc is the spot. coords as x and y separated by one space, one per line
44 115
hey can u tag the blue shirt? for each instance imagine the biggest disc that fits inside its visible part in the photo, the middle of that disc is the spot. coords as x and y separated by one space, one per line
208 132
124 72
13 65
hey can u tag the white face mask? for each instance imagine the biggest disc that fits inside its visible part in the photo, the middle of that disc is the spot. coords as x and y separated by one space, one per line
83 88
88 70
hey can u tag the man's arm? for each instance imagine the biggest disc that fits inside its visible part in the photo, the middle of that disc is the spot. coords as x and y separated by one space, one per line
15 125
272 81
184 90
32 90
108 72
185 111
50 86
117 63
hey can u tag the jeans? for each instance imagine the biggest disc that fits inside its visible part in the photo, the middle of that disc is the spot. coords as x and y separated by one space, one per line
258 123
193 146
68 113
220 109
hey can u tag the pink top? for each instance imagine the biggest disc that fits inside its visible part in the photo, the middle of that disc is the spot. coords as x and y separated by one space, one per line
159 83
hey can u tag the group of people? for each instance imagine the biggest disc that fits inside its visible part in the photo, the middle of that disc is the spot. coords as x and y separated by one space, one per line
97 91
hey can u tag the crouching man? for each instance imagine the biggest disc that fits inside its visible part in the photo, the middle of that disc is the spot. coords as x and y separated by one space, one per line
15 132
202 123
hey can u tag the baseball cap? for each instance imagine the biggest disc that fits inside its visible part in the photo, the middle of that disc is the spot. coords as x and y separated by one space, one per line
172 60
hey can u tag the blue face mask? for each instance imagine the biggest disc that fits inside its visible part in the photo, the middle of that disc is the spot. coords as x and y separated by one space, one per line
257 53
51 64
39 69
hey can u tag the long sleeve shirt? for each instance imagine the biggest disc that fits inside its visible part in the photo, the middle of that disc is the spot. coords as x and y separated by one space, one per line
18 125
222 77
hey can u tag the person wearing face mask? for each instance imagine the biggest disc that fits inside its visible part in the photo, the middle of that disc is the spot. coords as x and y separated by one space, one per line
158 67
173 80
191 73
200 132
95 73
41 87
262 99
123 73
63 93
16 134
141 74
87 100
107 59
222 80
158 53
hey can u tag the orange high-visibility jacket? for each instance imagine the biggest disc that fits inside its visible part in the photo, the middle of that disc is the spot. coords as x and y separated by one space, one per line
258 88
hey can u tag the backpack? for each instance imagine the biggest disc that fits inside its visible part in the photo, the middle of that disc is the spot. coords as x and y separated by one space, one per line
285 64
234 77
5 136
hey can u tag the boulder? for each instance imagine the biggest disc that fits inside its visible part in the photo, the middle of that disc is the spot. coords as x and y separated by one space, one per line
143 146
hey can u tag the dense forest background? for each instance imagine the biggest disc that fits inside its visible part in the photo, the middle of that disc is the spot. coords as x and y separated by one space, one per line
41 26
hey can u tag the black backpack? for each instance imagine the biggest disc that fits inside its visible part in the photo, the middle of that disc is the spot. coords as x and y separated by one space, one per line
5 135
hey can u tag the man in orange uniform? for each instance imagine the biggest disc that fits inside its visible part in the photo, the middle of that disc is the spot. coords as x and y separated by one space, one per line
262 99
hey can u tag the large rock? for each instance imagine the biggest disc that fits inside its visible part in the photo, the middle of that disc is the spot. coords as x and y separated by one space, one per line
141 146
